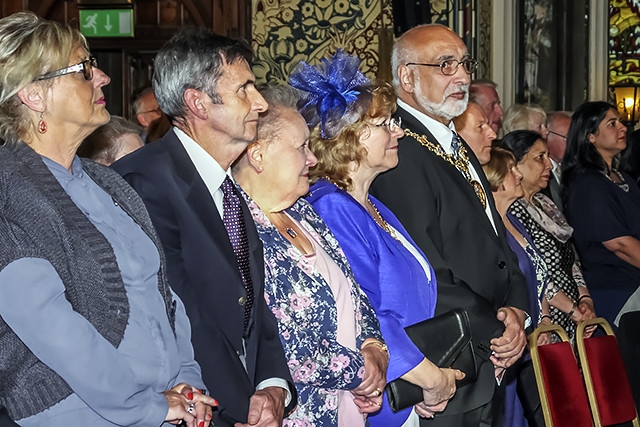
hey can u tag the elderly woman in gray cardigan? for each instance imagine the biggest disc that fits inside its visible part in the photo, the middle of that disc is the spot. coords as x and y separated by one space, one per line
90 332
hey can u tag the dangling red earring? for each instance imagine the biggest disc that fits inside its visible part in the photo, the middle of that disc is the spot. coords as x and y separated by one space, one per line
42 125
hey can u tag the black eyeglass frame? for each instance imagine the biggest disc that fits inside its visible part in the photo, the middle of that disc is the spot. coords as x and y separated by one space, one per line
470 65
557 134
85 66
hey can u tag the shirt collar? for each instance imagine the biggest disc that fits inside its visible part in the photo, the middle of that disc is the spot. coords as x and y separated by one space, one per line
61 173
440 132
209 169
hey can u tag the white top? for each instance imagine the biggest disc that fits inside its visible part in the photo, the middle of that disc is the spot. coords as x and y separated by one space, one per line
213 175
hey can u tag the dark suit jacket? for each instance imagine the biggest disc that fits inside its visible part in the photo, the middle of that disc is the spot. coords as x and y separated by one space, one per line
474 267
5 420
203 271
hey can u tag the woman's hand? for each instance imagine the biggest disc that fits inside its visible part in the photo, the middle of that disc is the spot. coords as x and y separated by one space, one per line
188 404
437 397
443 389
544 339
369 393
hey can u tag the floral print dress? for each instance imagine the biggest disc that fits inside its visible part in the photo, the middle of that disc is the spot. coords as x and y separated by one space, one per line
305 309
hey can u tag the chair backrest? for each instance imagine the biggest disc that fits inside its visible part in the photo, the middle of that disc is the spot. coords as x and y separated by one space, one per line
562 394
605 377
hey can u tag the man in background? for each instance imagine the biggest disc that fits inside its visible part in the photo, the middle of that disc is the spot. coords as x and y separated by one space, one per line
473 127
484 93
145 107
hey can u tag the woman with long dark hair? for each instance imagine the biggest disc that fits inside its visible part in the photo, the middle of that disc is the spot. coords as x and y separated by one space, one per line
603 206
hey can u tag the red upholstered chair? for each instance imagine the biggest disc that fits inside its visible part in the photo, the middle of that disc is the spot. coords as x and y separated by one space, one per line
562 394
605 376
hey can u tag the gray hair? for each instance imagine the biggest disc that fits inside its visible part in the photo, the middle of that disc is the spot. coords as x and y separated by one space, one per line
29 47
103 144
193 59
279 98
137 98
517 117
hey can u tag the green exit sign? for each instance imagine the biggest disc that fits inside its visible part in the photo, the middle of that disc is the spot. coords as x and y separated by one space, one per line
106 22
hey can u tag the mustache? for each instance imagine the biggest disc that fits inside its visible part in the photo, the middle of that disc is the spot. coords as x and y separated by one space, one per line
456 89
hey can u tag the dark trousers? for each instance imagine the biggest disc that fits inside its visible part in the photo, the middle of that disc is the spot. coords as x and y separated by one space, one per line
479 417
628 335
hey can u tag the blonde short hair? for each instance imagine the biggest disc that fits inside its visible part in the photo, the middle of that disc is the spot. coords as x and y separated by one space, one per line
29 47
502 160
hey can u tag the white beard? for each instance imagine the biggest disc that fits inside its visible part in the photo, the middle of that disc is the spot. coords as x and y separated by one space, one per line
448 108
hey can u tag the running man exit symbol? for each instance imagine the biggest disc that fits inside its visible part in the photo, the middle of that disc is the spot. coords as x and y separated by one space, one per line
106 22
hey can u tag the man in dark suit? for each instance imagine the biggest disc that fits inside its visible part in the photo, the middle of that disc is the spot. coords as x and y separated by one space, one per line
440 194
204 83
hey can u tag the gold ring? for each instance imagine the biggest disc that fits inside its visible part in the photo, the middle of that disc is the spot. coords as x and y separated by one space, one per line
378 392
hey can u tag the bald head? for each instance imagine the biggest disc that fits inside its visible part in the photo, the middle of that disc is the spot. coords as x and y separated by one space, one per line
558 123
485 94
425 87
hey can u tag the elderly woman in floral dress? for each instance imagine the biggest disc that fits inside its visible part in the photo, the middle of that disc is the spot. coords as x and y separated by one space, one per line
328 329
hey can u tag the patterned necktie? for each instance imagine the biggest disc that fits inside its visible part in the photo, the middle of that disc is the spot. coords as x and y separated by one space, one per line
455 145
234 223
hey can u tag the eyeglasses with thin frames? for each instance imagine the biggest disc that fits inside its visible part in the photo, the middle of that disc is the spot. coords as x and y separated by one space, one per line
450 66
557 134
86 67
392 124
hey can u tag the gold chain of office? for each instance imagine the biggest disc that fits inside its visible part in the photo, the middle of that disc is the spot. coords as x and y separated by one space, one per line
461 162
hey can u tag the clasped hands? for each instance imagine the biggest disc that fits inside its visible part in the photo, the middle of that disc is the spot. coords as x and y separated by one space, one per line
189 405
368 395
508 347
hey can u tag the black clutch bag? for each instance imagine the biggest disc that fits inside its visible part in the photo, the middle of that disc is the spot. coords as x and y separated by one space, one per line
446 341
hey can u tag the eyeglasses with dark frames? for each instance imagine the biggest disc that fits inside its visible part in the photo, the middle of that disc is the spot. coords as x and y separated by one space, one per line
392 124
450 66
557 134
86 67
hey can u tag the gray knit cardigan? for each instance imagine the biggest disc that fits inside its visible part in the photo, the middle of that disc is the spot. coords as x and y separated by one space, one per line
39 220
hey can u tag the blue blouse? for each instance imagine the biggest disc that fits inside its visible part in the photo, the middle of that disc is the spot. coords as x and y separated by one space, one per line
112 386
394 280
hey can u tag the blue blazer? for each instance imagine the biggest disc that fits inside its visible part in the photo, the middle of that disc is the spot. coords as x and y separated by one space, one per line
390 275
203 271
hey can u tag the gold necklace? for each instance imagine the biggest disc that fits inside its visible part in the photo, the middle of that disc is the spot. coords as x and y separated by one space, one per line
380 221
461 162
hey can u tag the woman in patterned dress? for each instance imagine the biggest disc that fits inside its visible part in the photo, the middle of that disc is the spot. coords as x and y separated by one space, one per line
327 326
549 230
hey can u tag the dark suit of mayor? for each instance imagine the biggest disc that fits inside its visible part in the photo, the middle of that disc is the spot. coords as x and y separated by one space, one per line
203 271
474 266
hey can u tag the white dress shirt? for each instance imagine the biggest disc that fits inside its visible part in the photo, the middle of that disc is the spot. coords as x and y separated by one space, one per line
213 175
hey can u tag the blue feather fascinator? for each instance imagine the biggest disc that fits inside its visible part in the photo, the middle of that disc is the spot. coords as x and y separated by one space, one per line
335 94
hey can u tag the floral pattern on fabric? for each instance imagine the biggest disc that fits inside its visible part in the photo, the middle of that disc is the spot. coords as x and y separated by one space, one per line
305 309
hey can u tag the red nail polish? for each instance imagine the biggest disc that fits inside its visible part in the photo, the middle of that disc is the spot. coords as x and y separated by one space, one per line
190 396
215 403
201 424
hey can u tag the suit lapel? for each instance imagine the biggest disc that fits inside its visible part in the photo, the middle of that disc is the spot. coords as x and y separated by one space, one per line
198 197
